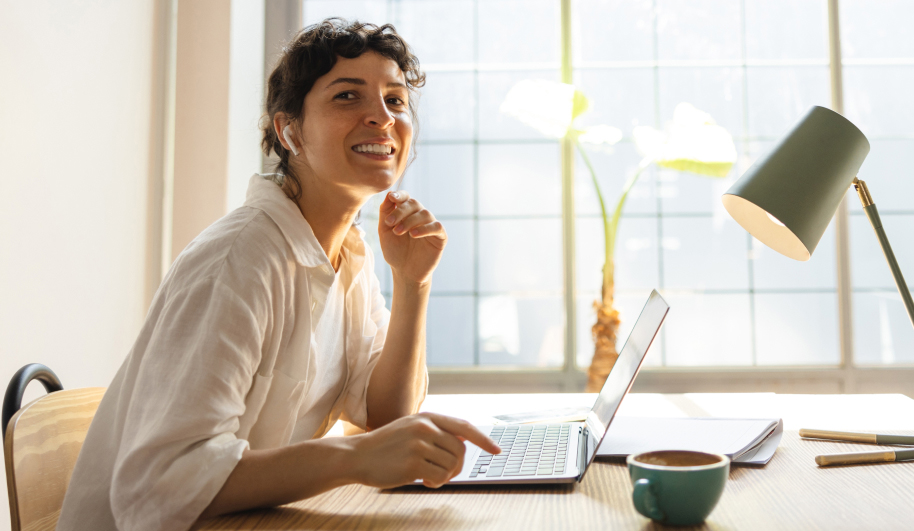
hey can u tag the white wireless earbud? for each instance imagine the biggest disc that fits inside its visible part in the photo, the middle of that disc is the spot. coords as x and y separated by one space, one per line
288 136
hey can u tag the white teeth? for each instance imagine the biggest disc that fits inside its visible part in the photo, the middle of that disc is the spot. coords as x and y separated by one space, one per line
378 149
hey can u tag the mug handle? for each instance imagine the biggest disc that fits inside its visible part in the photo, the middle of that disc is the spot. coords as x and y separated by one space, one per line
646 501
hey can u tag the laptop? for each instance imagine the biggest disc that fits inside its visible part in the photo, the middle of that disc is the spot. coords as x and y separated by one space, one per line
562 452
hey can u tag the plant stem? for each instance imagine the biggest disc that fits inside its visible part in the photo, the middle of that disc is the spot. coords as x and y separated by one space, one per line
611 226
617 214
608 233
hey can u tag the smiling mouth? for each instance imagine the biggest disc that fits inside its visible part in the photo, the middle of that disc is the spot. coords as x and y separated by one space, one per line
374 149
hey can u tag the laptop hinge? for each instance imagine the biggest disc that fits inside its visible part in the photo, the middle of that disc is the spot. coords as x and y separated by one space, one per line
582 451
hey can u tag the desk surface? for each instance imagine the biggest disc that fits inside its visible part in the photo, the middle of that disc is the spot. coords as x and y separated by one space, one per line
791 492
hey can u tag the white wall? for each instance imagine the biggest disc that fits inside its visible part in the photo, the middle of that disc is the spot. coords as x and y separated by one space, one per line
75 125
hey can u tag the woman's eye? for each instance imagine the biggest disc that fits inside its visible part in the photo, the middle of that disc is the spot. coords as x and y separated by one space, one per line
395 101
345 96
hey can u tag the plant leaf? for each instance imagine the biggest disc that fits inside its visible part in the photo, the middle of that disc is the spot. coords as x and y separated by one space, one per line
546 106
709 169
692 142
580 104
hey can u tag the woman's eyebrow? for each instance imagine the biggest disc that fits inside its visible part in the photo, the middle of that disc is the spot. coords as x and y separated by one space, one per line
349 80
360 81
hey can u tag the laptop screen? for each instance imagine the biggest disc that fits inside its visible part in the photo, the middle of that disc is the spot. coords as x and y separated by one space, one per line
623 373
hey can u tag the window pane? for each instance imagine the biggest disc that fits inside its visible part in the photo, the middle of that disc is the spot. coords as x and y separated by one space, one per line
519 180
876 29
882 330
434 38
707 329
455 271
787 29
450 331
446 106
779 96
797 328
704 253
876 99
374 11
519 31
702 30
869 268
520 255
620 97
612 30
519 330
441 177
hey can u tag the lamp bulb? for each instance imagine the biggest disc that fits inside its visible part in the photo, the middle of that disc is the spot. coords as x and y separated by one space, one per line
775 220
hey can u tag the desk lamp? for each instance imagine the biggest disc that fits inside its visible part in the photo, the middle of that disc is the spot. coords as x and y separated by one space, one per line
787 198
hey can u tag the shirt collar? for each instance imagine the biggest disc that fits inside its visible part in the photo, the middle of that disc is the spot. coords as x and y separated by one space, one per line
264 193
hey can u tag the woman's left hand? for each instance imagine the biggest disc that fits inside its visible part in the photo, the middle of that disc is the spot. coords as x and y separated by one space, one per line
412 240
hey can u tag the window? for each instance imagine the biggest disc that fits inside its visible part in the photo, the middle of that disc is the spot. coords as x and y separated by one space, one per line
498 307
878 60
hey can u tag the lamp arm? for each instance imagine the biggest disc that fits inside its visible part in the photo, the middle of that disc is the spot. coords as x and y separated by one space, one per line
869 207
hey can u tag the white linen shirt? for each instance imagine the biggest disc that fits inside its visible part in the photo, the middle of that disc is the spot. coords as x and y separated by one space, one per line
221 364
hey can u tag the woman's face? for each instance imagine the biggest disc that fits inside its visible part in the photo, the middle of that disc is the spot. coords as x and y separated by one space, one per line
356 128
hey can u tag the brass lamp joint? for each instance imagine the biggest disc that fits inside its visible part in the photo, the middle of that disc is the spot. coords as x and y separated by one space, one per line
865 198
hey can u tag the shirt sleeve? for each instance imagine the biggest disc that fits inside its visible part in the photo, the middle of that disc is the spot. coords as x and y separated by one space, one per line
178 445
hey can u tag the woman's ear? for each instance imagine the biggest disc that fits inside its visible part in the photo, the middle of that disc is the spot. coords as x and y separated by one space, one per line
283 129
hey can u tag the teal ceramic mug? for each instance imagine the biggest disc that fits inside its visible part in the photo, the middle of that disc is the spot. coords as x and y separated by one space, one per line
677 487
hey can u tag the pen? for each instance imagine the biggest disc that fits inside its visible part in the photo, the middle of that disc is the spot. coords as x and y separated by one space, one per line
870 438
864 457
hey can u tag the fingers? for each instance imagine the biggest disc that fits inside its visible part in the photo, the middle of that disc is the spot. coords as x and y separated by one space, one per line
452 445
445 459
464 429
403 213
391 201
433 475
429 230
408 216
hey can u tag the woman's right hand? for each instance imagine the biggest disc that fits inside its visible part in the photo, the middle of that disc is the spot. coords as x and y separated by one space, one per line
426 446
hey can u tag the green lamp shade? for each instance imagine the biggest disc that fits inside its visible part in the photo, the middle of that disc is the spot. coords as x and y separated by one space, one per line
787 198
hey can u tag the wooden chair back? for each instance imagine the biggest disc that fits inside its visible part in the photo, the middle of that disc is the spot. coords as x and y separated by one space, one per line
42 443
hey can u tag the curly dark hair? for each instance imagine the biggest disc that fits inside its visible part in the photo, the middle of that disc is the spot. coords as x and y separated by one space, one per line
312 53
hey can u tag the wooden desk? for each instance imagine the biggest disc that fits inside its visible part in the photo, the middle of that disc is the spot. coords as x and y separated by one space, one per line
791 492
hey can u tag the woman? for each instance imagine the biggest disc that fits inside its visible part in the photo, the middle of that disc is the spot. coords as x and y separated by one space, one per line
270 325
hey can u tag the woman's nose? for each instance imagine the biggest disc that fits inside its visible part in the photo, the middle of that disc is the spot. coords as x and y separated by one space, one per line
378 115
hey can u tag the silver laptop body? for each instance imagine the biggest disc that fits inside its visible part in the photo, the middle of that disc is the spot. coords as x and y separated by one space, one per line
561 453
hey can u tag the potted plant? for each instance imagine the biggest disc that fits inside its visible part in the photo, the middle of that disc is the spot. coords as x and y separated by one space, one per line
691 142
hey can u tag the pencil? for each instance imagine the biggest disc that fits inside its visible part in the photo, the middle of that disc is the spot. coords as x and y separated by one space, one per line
869 438
858 458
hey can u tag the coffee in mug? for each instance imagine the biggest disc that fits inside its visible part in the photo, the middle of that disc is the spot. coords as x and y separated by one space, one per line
677 487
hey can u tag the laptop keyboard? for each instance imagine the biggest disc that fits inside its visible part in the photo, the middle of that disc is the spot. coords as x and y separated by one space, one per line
526 450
